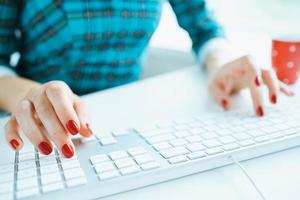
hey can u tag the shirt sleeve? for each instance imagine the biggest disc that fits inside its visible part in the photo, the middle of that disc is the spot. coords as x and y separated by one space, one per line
194 17
8 39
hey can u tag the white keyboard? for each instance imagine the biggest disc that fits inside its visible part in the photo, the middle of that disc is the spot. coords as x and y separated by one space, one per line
118 161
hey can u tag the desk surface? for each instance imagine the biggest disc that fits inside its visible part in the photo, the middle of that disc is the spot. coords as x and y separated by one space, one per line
184 92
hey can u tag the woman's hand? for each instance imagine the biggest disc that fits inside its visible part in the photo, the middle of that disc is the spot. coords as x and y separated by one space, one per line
244 73
49 112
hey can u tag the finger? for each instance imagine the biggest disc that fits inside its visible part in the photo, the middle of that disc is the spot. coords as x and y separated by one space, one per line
55 130
256 96
85 129
62 103
12 134
25 118
218 93
285 89
271 84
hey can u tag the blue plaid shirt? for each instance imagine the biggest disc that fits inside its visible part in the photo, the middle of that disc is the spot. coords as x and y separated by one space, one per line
90 44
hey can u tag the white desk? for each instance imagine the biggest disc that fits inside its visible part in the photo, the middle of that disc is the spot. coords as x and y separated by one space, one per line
162 98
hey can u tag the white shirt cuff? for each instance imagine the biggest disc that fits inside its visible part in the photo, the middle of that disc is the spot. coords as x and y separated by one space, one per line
6 71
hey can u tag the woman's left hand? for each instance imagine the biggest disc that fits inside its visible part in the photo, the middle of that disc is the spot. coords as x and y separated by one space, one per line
244 73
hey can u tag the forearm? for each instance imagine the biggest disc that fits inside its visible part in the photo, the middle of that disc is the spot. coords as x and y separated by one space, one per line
12 90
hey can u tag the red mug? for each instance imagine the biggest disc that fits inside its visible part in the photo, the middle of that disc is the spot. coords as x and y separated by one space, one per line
286 59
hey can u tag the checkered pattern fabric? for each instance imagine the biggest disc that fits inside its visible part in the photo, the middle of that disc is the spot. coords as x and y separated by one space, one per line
90 44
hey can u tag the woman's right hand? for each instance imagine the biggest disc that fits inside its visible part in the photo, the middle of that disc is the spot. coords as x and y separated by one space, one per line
48 112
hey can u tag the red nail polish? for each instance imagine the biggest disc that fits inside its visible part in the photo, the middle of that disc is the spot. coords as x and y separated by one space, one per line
72 127
257 81
89 128
274 99
14 143
260 111
45 147
67 150
224 103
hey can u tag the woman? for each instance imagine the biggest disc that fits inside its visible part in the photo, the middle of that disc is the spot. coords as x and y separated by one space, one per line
89 45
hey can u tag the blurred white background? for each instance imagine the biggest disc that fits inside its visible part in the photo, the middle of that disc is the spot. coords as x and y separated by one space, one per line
248 23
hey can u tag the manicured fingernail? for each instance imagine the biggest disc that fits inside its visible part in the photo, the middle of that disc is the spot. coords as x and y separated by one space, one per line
224 103
45 147
89 128
260 111
72 127
274 99
257 81
67 150
14 143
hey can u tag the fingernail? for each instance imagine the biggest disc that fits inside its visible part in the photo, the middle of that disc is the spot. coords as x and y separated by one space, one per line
224 103
14 143
45 147
89 128
274 99
67 150
72 127
260 111
257 81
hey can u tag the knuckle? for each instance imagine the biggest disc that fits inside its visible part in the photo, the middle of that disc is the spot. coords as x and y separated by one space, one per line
55 87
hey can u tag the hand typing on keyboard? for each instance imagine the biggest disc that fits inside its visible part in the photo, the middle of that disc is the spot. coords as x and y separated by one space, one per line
49 112
243 73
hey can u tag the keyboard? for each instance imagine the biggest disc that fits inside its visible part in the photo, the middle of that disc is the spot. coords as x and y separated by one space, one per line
115 161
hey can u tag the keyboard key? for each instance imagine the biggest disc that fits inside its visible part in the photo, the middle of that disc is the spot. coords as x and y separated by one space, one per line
6 187
6 168
160 138
27 183
26 164
157 132
73 173
256 133
50 178
126 162
141 159
108 175
245 143
6 177
76 182
118 155
27 193
71 164
241 136
214 151
261 139
180 134
137 151
227 139
99 158
150 165
195 147
230 147
211 143
209 135
48 160
177 159
121 132
193 138
130 170
178 142
107 140
104 167
196 155
7 196
52 187
289 132
277 135
26 173
175 151
47 169
181 127
28 156
161 146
